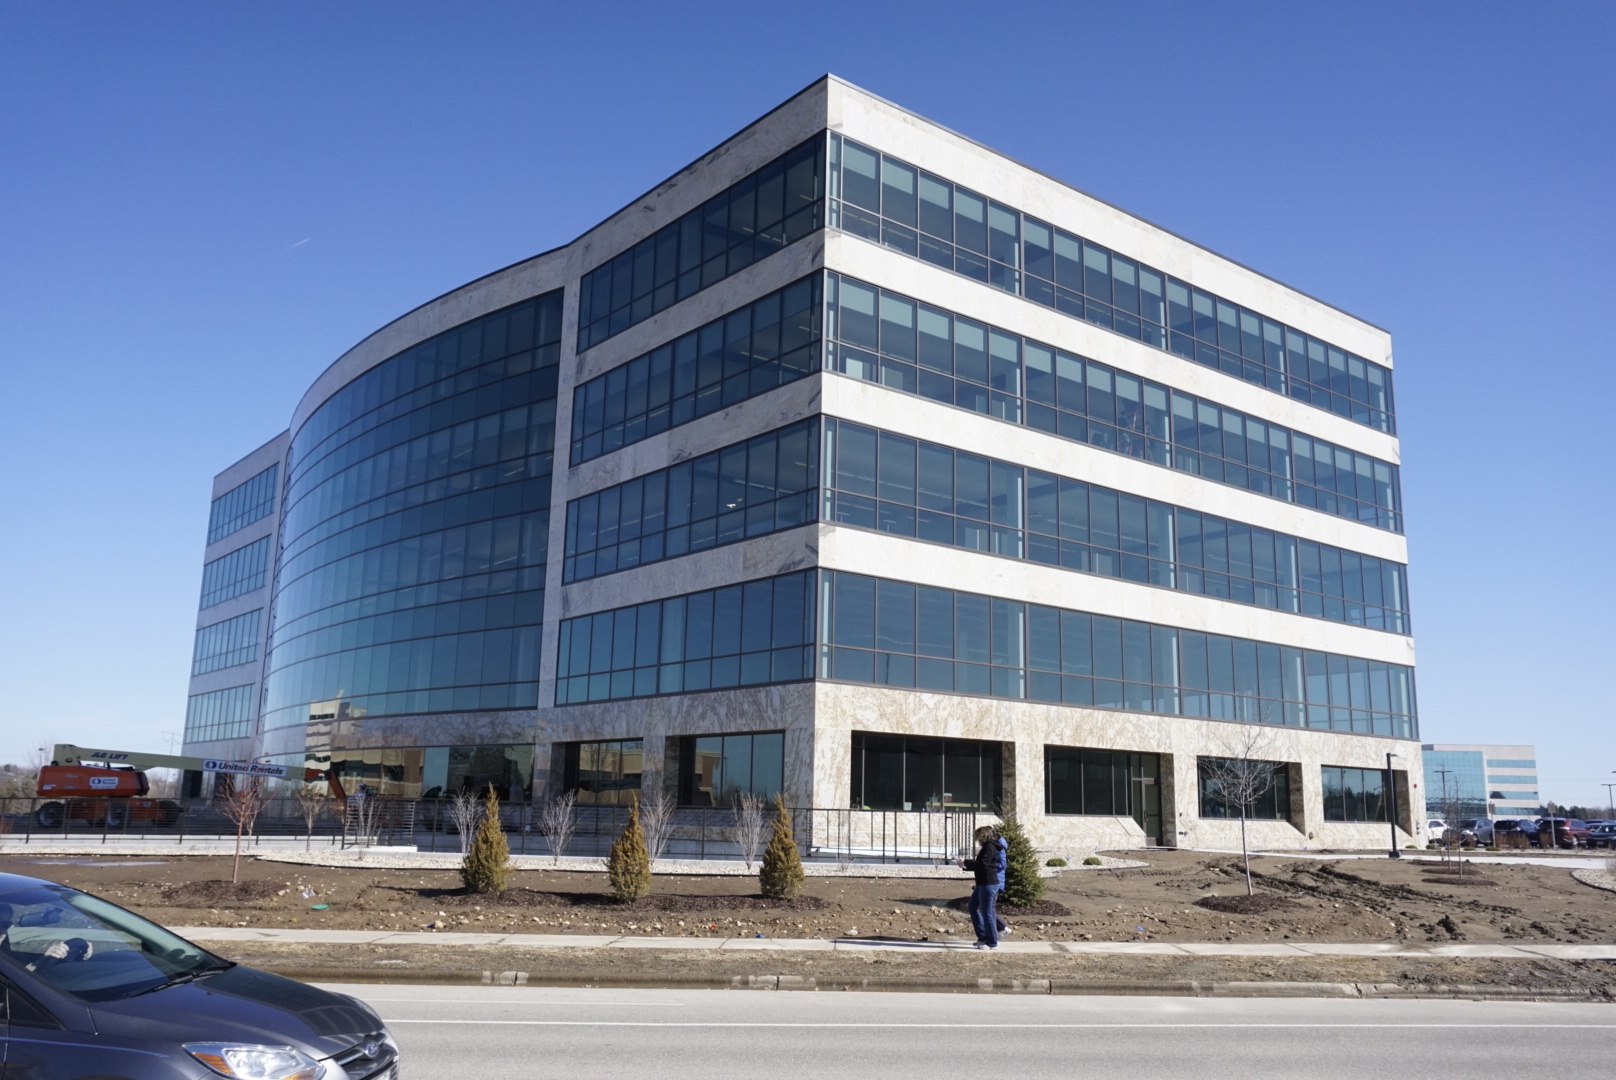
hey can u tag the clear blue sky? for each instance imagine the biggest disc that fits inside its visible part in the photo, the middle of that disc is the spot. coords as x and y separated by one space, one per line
202 205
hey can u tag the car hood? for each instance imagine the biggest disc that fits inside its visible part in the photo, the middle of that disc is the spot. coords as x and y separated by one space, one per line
240 1004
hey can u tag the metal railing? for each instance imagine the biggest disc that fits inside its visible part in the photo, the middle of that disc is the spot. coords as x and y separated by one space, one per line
35 820
705 832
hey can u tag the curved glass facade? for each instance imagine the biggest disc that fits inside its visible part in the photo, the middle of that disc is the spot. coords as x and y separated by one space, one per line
411 575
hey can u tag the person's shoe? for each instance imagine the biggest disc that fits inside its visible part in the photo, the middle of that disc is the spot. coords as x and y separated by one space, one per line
1006 931
983 945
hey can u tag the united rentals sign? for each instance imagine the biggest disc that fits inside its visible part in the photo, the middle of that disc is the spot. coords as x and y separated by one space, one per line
244 768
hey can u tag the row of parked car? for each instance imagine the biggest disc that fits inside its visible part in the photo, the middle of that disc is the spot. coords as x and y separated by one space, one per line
1568 832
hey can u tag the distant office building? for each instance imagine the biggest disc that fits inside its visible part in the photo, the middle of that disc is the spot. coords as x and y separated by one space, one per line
1481 780
860 463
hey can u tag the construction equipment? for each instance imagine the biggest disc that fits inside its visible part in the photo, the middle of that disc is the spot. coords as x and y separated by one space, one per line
109 787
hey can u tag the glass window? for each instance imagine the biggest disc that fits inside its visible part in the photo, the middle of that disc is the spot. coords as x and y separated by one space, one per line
768 343
970 644
716 770
228 643
898 772
1024 382
1106 783
415 529
777 205
247 502
749 489
1262 788
883 199
241 571
1354 794
603 773
221 714
741 635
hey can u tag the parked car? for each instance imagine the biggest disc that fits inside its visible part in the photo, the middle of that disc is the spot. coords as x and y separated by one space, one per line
93 990
1602 835
1436 826
1479 828
1568 832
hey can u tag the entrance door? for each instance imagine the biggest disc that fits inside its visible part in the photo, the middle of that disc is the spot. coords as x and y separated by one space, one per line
1145 796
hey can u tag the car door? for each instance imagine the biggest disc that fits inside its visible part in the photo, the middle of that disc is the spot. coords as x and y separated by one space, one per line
38 1046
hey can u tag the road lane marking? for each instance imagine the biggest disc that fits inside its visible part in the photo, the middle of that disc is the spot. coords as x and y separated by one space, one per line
850 1024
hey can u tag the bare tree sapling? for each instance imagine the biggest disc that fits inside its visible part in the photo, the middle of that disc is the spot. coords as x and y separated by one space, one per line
749 825
558 820
656 819
240 804
466 811
1242 775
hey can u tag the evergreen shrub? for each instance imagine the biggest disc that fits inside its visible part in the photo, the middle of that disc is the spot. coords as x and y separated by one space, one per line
487 865
628 867
780 877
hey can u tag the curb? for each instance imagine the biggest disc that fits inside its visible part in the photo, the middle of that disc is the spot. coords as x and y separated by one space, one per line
1074 987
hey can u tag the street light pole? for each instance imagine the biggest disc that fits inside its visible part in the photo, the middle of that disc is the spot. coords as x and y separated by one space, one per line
1391 818
1609 798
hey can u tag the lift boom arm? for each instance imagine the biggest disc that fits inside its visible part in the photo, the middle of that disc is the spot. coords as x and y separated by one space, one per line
65 754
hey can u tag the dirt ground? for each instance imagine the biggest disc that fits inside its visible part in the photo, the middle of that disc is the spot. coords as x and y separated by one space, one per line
1360 900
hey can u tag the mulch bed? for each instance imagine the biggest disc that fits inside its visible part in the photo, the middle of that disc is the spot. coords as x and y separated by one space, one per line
673 903
1047 908
1260 904
205 893
1454 879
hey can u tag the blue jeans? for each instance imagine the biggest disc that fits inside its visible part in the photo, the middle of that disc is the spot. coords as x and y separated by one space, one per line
983 916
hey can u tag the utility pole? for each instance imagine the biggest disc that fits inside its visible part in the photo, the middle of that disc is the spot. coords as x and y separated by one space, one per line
1610 799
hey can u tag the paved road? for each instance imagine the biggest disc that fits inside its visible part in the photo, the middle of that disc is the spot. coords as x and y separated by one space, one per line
495 1033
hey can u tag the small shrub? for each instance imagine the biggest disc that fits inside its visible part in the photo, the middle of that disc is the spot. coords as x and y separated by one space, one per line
780 877
629 864
1055 862
1092 860
487 865
1022 885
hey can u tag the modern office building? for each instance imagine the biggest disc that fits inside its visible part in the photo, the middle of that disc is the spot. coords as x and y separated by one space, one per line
860 463
1481 780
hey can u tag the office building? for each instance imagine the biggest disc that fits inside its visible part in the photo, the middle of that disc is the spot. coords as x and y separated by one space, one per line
860 463
1481 780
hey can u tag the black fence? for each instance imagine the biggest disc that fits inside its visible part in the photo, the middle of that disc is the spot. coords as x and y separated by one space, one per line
843 835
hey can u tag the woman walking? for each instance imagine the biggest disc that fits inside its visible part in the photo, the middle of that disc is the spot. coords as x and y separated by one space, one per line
989 868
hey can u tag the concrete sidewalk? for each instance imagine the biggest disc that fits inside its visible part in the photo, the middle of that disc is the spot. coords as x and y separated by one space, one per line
1497 950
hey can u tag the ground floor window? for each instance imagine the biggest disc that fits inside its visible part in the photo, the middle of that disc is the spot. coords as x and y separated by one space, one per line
431 772
447 770
715 770
1106 783
1264 787
1354 794
602 773
909 772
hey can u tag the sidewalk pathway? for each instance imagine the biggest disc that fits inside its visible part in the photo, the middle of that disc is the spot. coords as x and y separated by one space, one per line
1497 950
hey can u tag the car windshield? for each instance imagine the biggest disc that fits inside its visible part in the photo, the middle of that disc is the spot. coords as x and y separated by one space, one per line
91 949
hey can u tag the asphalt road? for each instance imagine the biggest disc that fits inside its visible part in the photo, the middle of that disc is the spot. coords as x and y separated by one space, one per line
531 1033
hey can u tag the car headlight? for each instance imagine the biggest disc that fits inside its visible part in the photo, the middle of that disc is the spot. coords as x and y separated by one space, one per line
243 1061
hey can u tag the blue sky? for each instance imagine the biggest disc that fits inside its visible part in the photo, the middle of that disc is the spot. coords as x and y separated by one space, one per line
202 205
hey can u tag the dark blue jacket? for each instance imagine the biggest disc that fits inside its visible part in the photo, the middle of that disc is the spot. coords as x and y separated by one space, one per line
989 864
